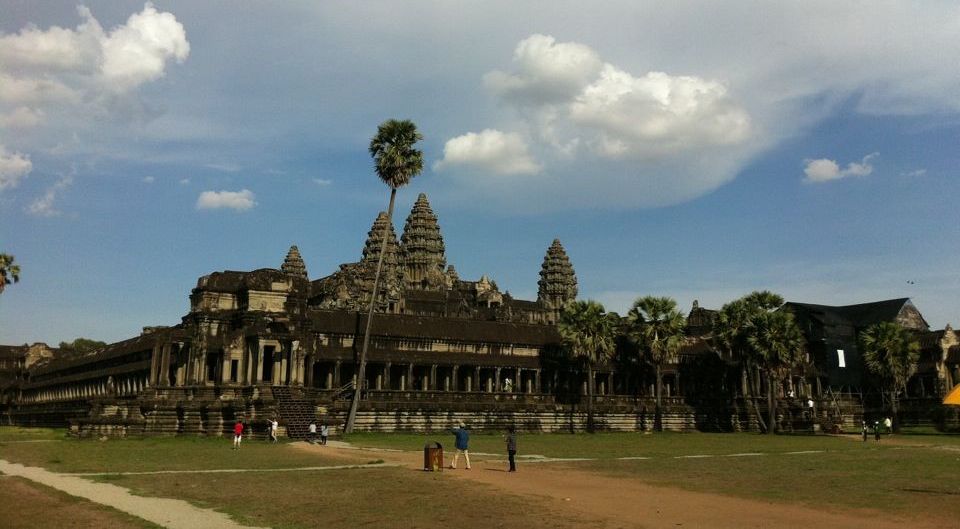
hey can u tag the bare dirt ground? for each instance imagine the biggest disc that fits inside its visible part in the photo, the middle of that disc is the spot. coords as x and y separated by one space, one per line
28 506
630 503
161 511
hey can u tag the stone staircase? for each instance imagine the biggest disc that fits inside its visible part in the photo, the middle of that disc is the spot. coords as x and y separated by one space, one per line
296 411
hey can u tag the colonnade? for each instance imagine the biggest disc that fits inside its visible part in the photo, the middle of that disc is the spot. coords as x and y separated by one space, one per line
122 386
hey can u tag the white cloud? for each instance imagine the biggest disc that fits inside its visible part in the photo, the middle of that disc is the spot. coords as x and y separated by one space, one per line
148 179
184 181
137 52
547 71
322 181
493 150
824 170
237 200
658 114
225 167
44 206
914 174
13 167
21 118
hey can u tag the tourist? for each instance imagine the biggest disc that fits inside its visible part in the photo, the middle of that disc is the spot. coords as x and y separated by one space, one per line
324 432
512 447
888 425
876 430
273 429
462 440
237 434
863 431
313 432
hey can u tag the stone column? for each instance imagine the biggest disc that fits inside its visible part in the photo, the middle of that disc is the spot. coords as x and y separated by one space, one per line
476 378
411 384
155 364
496 381
517 380
258 362
536 381
336 374
433 377
386 375
610 390
455 379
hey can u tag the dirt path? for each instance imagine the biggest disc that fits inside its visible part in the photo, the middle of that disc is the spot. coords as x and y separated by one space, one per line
175 514
629 503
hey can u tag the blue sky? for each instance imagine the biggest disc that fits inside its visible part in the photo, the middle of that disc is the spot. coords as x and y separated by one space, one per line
698 151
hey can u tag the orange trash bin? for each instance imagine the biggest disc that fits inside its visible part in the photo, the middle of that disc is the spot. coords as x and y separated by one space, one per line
433 457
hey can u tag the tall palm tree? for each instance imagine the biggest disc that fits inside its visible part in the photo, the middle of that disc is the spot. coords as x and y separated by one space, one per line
396 161
588 331
890 352
656 326
8 271
732 328
777 346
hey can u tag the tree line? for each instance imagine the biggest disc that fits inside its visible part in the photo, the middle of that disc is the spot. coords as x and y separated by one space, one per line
754 331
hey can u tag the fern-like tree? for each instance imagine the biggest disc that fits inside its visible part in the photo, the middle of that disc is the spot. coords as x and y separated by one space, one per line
656 326
396 161
890 352
9 272
588 331
777 346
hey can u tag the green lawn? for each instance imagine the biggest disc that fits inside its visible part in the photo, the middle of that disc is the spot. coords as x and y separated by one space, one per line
40 507
613 445
158 453
381 498
17 433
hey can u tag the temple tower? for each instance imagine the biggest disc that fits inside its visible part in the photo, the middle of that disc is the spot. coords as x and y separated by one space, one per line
371 249
422 256
293 265
558 282
390 280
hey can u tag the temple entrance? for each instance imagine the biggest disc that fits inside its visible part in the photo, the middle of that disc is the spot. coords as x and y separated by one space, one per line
269 352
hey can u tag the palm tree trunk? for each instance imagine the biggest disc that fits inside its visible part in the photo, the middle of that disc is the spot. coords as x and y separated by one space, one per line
362 368
751 385
894 407
590 398
771 405
658 417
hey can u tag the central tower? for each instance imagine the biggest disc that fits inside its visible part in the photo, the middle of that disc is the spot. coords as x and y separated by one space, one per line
422 256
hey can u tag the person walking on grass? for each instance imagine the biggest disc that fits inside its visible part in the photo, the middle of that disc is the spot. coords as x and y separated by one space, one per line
462 441
273 430
313 432
324 432
512 447
237 434
876 430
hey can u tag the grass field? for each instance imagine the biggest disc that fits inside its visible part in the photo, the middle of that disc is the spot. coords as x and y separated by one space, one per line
901 475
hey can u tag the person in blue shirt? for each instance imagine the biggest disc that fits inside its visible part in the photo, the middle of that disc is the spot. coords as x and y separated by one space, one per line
463 439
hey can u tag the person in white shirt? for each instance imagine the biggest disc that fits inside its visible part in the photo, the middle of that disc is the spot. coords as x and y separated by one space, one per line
313 432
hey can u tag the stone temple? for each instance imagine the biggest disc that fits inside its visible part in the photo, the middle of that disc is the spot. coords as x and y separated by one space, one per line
272 343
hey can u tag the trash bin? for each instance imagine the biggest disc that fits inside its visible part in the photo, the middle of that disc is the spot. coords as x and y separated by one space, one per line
433 457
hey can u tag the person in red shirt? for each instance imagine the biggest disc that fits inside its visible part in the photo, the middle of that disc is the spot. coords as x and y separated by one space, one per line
237 434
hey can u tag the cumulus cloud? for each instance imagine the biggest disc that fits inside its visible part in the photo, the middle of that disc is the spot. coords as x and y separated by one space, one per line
825 170
603 133
492 150
916 173
44 206
322 181
62 62
148 179
546 71
13 167
237 200
79 78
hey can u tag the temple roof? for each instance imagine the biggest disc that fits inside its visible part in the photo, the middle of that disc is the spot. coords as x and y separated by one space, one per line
859 315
